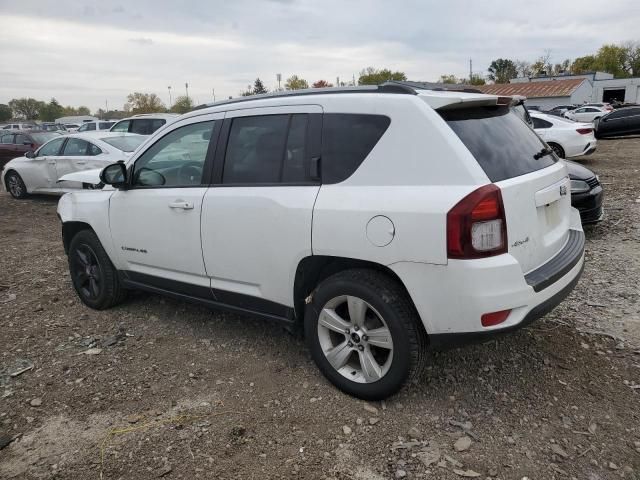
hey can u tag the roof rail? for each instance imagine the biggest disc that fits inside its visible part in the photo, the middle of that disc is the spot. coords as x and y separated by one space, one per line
447 87
384 88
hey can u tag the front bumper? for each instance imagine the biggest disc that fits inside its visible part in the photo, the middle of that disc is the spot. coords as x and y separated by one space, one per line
589 204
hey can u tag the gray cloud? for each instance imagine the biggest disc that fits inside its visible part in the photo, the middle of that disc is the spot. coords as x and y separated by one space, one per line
97 46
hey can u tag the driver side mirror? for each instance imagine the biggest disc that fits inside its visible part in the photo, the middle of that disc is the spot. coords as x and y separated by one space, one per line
30 154
115 175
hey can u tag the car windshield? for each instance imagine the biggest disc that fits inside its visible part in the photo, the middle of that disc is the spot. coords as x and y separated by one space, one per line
126 144
44 137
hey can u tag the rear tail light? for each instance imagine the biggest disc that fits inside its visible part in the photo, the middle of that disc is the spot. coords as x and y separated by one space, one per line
494 318
584 131
476 225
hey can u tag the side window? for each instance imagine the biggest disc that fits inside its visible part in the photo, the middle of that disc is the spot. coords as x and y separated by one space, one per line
122 126
22 140
266 149
51 148
7 139
540 123
93 150
90 126
146 126
347 139
83 128
75 147
105 125
176 160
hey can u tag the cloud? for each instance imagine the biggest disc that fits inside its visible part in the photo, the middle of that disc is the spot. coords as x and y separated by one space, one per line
89 52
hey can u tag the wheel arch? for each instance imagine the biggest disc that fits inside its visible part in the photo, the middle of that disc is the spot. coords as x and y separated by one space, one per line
70 230
312 270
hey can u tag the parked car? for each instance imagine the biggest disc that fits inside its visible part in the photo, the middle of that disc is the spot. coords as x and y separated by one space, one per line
620 122
604 105
436 217
144 124
71 127
38 172
16 143
19 126
52 127
586 192
585 114
98 125
560 110
566 137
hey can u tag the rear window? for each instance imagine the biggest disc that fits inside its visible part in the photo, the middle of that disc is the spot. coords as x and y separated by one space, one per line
106 125
503 145
347 139
146 126
126 144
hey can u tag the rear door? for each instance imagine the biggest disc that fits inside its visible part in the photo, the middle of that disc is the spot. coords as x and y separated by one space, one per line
72 159
534 184
256 217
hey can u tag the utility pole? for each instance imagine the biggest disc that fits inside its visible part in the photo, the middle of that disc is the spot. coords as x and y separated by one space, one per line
186 87
337 81
470 70
106 108
213 92
279 78
170 101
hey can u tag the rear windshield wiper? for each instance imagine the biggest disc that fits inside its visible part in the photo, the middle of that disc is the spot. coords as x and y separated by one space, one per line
544 152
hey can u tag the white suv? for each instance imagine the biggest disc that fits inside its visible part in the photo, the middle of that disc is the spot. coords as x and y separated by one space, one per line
143 124
381 220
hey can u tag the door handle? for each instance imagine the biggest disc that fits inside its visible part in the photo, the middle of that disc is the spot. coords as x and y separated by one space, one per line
51 162
181 204
81 162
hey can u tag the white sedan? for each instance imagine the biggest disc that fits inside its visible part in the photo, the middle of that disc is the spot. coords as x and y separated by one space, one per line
39 171
585 114
565 137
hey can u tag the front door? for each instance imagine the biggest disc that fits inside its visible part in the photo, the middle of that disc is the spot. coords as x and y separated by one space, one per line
155 223
256 218
40 172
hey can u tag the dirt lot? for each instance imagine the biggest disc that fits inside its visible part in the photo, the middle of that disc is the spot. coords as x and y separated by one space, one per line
175 391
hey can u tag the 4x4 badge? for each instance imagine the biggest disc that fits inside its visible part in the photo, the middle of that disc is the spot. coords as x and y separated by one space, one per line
563 190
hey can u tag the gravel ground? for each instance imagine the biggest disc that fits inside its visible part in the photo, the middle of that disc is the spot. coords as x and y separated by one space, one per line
161 389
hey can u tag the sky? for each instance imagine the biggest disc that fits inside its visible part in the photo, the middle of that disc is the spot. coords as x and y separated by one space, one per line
94 53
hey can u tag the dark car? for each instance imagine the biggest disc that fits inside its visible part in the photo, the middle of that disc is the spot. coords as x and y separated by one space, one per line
586 192
623 121
560 110
16 143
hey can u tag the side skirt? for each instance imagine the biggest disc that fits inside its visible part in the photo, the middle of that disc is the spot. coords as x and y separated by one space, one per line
221 300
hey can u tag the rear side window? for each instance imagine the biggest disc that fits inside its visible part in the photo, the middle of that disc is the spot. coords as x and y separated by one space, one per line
266 149
75 147
347 139
121 126
540 123
503 145
146 126
105 125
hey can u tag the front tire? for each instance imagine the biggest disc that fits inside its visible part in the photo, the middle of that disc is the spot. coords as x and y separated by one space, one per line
15 185
94 277
364 334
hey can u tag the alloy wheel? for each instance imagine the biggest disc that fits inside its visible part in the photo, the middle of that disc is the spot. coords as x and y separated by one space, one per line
15 186
355 339
87 272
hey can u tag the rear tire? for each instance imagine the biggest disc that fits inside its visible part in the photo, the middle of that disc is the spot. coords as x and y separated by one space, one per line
94 277
364 333
15 185
558 150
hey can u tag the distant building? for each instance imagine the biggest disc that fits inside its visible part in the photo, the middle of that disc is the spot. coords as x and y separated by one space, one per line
76 119
546 92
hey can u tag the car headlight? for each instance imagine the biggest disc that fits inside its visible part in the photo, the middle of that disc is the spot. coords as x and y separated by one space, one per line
579 186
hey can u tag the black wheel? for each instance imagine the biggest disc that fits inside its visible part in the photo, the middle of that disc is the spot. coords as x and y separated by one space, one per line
15 185
364 333
94 277
557 149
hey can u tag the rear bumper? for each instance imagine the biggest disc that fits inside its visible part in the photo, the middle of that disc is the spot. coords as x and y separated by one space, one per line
452 298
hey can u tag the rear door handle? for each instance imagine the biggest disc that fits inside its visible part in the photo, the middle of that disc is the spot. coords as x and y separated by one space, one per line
81 162
181 204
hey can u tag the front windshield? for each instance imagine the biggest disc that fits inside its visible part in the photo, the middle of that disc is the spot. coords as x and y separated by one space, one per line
126 144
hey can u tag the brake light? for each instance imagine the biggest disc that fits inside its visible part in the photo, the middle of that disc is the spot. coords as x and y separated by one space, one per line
476 225
584 131
494 318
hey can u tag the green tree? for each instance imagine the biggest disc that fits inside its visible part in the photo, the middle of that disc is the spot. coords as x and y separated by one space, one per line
584 64
258 87
51 111
248 92
5 112
27 108
321 84
448 79
612 59
632 62
373 76
476 80
183 104
144 103
82 110
295 83
502 70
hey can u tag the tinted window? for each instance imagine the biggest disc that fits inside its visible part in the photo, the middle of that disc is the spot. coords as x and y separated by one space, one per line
146 126
122 126
177 159
347 139
7 139
75 147
106 125
93 150
22 140
266 149
540 123
500 142
51 148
